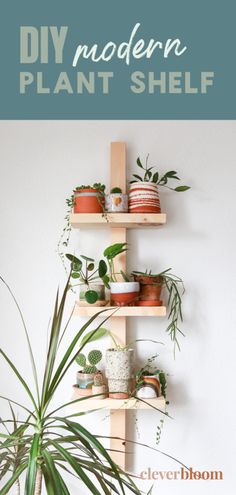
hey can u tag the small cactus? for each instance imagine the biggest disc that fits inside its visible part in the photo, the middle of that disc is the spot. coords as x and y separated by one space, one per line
94 357
81 360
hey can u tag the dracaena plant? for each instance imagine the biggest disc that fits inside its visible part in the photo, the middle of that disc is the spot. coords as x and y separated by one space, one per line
150 174
45 444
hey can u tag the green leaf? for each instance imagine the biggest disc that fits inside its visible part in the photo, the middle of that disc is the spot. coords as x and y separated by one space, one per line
19 376
91 296
32 466
170 174
5 489
90 267
115 249
57 482
92 337
182 188
155 177
27 337
75 275
139 163
76 467
106 281
137 177
86 258
93 441
73 258
102 268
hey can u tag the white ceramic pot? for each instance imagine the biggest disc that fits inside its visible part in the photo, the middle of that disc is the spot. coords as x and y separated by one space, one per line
116 203
99 288
124 293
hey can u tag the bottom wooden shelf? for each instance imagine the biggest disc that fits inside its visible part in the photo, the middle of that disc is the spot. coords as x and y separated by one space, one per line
91 403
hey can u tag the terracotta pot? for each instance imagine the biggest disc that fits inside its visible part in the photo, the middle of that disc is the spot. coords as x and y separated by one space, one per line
119 371
144 198
82 392
99 288
149 303
101 390
124 293
88 200
116 203
150 287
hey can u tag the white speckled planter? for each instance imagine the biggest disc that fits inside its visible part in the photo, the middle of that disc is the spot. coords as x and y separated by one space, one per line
116 203
119 372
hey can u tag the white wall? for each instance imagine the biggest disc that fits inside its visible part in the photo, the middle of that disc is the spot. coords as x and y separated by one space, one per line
41 162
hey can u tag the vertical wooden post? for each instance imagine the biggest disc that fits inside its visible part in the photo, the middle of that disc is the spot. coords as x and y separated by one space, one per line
118 324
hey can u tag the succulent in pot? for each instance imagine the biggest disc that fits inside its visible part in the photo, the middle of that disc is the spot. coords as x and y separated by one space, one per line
99 388
85 377
119 370
123 293
151 286
144 193
90 278
89 199
116 201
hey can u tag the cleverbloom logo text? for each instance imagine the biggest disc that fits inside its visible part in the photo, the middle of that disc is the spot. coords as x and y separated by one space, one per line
181 474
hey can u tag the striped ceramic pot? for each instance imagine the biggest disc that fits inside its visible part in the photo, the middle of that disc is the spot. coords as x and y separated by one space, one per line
144 198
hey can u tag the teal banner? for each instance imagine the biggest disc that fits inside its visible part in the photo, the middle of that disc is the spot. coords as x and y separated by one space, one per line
118 60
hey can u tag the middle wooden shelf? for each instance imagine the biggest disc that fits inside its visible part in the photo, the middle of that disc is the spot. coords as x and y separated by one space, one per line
120 311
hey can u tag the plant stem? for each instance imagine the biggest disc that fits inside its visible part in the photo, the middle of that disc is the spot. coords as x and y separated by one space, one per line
38 482
18 487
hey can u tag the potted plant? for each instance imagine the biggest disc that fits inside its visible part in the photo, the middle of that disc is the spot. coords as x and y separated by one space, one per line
85 377
143 193
151 286
89 199
150 383
119 369
116 201
32 453
88 277
124 293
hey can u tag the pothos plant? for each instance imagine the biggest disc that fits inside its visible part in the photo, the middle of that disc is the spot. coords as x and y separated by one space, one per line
149 174
175 290
85 272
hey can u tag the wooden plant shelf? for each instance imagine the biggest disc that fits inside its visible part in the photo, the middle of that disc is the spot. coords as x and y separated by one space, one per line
117 220
122 311
112 404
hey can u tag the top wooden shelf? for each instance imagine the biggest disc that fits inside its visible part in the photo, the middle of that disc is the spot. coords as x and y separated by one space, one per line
117 220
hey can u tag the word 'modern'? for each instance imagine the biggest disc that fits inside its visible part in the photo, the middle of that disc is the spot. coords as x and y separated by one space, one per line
47 44
182 474
34 45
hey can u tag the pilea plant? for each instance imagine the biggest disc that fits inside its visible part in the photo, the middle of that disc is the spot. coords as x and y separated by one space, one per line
85 272
150 175
89 366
